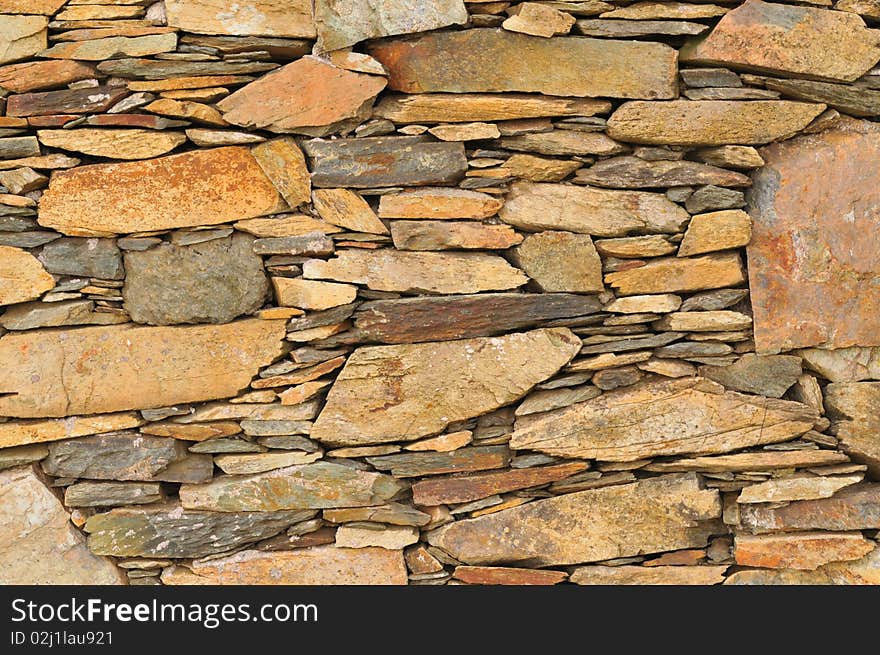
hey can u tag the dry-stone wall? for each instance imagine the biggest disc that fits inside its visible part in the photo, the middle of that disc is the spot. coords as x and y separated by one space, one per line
439 292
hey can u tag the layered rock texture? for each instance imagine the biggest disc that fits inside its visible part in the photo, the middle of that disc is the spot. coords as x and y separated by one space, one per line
439 292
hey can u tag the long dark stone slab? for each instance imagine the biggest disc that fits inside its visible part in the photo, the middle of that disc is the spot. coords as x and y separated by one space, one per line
413 320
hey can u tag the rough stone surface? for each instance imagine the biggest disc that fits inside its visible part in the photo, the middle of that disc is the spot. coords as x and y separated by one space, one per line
452 235
598 212
655 575
854 408
767 375
560 261
14 433
98 258
445 491
324 565
796 488
811 252
169 530
21 37
669 417
310 486
468 107
461 379
843 364
780 38
394 270
22 276
439 203
193 188
309 96
98 369
118 144
384 161
38 75
342 24
348 210
411 320
39 543
210 282
648 516
30 315
291 18
710 122
285 165
714 231
497 60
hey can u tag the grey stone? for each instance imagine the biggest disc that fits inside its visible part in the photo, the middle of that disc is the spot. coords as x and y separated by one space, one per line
226 446
99 258
108 494
635 173
290 442
120 456
713 300
168 530
767 375
710 198
210 282
17 224
138 243
626 345
688 349
708 77
27 239
402 160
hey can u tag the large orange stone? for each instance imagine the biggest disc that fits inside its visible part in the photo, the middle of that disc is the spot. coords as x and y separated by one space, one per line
202 187
813 267
309 96
806 550
496 60
324 565
109 368
781 38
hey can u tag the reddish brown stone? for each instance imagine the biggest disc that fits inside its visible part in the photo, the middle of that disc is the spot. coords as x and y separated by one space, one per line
68 101
464 489
500 575
691 557
442 318
57 120
805 550
813 253
309 96
38 75
854 508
